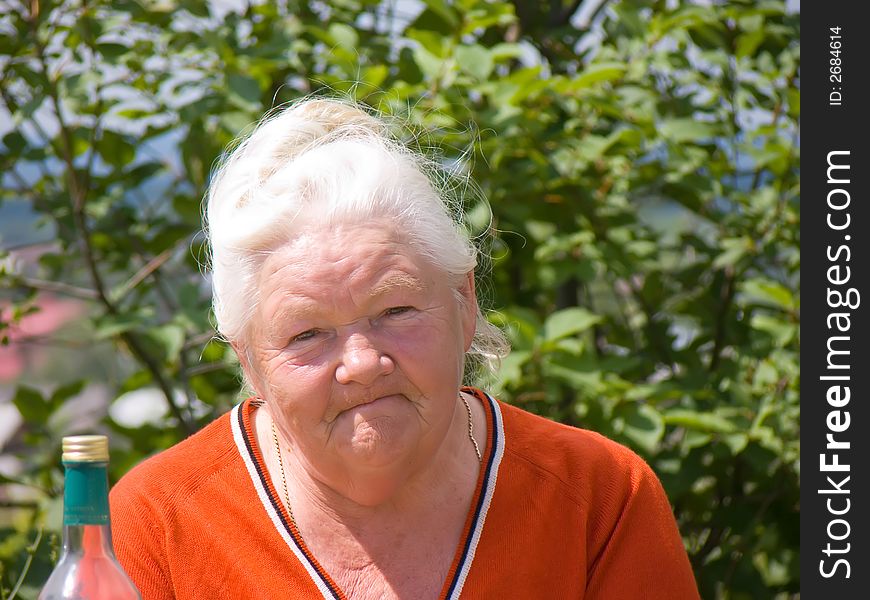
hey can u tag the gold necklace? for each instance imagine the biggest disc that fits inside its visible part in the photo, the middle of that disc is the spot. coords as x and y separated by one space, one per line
471 428
281 466
281 460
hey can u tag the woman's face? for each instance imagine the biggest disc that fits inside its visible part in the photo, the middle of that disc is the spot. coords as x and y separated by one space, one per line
357 347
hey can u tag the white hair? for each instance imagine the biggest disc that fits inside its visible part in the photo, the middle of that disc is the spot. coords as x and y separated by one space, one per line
329 161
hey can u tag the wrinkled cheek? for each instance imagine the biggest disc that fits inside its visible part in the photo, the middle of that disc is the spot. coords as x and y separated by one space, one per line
314 356
290 382
415 341
306 365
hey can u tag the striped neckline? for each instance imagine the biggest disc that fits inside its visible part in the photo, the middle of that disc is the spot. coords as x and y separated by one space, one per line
243 435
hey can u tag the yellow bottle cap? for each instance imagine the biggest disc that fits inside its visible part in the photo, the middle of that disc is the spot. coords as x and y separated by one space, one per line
85 448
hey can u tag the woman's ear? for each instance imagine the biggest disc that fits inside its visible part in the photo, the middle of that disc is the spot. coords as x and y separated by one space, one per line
468 309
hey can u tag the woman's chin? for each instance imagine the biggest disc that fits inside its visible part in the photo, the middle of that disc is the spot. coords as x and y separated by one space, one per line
378 434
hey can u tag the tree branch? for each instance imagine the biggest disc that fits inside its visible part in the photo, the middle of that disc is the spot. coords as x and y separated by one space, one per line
30 505
31 551
727 296
660 344
55 286
150 267
561 18
745 540
78 196
203 368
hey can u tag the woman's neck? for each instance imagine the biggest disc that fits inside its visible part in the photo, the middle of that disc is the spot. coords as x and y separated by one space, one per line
403 546
389 498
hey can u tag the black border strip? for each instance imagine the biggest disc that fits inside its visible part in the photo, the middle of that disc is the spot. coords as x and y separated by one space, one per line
277 506
835 262
483 494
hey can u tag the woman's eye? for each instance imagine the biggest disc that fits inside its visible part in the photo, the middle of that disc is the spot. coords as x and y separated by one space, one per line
397 310
304 336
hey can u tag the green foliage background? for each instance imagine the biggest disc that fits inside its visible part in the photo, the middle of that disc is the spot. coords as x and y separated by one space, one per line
643 176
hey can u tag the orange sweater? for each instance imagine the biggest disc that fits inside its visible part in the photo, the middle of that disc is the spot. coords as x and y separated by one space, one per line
559 512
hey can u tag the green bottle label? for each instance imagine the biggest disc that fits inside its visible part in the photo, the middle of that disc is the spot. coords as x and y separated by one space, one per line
86 494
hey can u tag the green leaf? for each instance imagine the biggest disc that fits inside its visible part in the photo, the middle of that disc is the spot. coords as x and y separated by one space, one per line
475 60
115 149
736 442
521 325
734 251
112 50
345 36
65 392
510 369
82 141
767 292
443 10
375 75
749 42
133 113
142 172
782 332
14 142
5 479
234 122
8 44
244 91
588 382
505 51
113 325
170 338
593 74
686 130
31 405
199 8
699 421
569 321
487 14
26 111
430 65
643 426
630 18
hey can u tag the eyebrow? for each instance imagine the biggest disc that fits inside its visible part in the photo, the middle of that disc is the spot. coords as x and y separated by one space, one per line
399 281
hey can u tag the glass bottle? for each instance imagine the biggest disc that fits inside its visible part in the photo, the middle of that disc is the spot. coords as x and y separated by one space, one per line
87 569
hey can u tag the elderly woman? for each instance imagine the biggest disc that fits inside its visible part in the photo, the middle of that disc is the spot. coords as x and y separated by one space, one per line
361 468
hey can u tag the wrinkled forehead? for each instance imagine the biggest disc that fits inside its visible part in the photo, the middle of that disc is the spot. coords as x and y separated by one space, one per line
362 261
336 250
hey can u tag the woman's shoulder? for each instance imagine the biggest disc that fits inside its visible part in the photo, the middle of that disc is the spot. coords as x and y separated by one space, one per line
181 469
581 461
533 434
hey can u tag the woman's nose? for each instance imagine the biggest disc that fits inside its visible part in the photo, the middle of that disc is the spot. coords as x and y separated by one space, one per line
362 362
